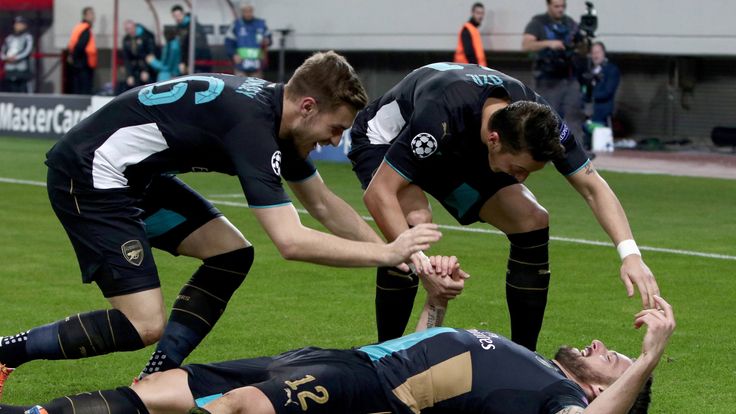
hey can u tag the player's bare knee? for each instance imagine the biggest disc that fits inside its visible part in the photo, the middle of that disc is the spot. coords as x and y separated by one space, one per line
530 217
247 400
216 237
150 329
538 218
233 239
232 402
419 216
148 384
164 392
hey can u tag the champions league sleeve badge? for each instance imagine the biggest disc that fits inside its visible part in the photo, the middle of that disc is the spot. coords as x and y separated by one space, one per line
276 162
564 132
423 145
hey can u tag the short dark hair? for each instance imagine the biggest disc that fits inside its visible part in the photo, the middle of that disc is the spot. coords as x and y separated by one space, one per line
599 43
529 126
477 4
85 10
177 7
170 33
641 404
329 78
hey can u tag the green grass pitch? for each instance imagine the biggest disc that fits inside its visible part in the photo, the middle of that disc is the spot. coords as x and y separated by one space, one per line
284 305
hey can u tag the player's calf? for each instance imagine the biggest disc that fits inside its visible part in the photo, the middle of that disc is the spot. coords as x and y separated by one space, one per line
395 293
527 284
199 306
79 336
120 400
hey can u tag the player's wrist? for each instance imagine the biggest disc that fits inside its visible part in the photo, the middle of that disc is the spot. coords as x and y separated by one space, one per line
626 248
649 358
437 301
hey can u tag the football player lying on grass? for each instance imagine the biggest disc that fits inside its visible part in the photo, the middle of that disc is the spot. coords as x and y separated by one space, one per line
443 369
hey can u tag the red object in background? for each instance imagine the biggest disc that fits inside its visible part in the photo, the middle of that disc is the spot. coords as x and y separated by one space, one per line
20 5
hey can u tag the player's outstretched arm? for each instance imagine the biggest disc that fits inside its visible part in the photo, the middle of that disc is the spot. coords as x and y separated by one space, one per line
297 242
619 397
382 200
441 288
332 211
611 216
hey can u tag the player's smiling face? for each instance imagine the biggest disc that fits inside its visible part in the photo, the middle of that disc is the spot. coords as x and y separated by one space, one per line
323 128
594 367
604 361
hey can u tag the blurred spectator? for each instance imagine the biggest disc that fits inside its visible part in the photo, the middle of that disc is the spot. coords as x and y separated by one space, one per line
16 53
552 38
247 42
82 56
168 65
201 48
600 83
469 44
137 44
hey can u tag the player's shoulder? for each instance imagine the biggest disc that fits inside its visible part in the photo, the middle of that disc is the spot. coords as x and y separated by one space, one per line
253 92
443 78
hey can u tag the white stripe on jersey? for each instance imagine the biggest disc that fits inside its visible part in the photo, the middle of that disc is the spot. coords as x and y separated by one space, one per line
386 125
127 146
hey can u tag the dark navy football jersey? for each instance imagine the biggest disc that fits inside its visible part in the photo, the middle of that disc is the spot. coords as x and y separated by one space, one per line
445 370
435 112
203 122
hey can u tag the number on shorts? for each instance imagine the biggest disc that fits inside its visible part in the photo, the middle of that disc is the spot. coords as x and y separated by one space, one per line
319 399
303 396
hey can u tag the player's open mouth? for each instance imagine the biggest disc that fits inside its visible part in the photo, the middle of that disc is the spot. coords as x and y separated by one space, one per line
585 352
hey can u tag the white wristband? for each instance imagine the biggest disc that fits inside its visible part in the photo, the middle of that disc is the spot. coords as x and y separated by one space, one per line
627 247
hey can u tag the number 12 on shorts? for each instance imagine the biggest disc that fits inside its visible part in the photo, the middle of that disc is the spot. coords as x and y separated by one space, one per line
320 396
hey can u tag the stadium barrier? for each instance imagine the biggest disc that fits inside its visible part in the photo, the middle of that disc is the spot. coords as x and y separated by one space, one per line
44 115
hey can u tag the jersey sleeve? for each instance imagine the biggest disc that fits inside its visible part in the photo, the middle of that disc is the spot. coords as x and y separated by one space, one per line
418 142
575 156
257 160
439 113
293 167
563 394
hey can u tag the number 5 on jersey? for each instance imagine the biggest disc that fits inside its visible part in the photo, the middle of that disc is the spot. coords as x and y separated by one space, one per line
148 97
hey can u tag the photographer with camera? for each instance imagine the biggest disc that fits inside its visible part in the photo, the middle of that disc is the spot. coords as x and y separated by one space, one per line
554 38
600 83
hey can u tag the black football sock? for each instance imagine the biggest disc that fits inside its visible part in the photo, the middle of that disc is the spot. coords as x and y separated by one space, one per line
527 284
199 305
118 401
79 336
395 293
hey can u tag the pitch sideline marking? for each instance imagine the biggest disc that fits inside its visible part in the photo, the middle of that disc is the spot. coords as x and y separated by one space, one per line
24 182
450 227
556 238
